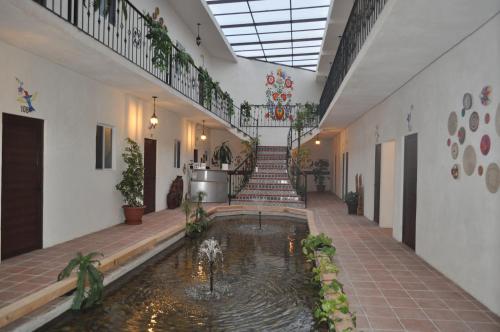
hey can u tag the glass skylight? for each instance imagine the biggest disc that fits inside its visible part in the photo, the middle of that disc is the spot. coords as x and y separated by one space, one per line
287 32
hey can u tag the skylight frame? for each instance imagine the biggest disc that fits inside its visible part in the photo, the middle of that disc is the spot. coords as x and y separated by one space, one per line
260 35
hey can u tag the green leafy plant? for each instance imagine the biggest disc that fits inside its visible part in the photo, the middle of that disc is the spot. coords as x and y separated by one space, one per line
89 284
199 217
314 243
183 59
229 104
223 154
161 44
319 170
106 6
187 207
351 199
132 184
246 110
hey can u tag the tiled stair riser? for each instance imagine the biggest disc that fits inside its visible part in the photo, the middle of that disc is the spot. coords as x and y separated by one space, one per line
268 192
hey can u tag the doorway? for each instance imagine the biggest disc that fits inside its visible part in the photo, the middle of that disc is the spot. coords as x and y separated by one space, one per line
150 175
376 195
410 190
22 185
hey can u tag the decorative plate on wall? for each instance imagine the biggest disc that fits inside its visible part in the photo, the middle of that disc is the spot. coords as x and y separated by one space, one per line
485 144
452 123
492 177
474 121
497 120
454 151
485 95
461 135
467 101
480 170
455 171
469 160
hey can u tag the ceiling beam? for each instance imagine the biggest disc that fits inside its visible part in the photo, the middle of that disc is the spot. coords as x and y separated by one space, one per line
279 41
242 25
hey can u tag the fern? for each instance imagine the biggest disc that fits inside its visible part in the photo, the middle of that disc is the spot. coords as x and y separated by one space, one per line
87 275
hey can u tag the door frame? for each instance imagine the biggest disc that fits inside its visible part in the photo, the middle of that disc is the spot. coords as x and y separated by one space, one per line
376 183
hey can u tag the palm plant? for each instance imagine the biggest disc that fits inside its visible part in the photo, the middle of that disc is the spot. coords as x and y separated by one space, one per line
187 207
87 274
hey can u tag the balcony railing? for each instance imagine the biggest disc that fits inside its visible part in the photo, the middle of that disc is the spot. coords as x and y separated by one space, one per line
267 117
363 16
123 29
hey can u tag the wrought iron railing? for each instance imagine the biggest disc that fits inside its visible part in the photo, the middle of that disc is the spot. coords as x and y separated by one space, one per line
123 29
238 177
298 178
267 117
363 16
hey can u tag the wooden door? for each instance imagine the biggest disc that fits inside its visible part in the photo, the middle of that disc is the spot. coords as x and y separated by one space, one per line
376 203
410 190
22 185
150 175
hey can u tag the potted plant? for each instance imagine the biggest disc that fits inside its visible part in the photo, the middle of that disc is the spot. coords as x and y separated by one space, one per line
319 171
351 200
246 109
223 155
132 184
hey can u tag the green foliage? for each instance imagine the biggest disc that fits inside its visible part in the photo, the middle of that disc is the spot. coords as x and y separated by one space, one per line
246 111
320 167
183 59
187 207
229 104
199 217
160 43
132 184
249 147
223 154
314 243
106 4
351 198
89 285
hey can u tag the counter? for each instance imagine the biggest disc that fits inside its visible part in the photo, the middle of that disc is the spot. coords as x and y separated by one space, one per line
212 182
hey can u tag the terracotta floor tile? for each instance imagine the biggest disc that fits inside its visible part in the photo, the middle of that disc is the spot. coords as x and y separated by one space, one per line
441 314
484 327
401 302
378 311
384 323
473 316
451 326
417 325
411 313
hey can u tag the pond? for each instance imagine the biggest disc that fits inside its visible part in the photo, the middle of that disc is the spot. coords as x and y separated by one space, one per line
263 283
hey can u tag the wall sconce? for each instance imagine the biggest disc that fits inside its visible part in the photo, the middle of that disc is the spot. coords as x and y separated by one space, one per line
203 137
154 119
317 142
198 39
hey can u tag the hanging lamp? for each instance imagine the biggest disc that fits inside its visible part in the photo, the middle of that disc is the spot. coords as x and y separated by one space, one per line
154 119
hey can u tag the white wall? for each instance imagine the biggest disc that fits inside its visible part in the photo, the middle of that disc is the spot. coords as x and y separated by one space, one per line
78 199
457 221
322 151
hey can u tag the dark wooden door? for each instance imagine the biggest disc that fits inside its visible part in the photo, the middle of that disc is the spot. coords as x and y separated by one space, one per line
376 203
346 174
22 185
150 175
410 190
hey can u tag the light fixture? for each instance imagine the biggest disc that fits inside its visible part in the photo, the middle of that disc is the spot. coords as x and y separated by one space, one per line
203 137
154 119
198 39
317 142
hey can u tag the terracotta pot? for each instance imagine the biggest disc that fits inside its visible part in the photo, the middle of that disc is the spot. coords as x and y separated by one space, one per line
133 215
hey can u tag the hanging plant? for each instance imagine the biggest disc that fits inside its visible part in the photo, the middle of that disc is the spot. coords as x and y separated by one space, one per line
183 59
106 6
161 44
229 104
245 111
206 84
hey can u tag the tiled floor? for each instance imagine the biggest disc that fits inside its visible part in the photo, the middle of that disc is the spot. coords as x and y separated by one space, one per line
388 286
25 274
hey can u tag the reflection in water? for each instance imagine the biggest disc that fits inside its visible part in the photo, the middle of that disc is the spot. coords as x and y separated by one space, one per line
263 285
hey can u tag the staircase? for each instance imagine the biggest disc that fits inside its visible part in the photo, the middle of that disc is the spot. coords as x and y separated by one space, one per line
269 184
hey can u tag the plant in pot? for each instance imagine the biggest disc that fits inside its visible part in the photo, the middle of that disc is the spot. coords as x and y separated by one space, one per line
351 200
319 171
132 184
223 156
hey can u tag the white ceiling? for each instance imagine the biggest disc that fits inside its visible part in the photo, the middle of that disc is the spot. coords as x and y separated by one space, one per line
406 38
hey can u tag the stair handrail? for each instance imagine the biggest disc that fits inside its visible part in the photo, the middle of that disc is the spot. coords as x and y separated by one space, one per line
239 176
296 174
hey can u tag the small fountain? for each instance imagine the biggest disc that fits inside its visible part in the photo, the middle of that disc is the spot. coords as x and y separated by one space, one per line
210 252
